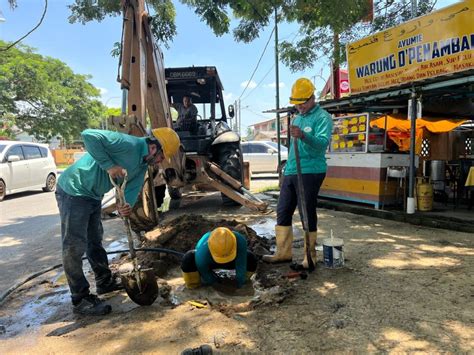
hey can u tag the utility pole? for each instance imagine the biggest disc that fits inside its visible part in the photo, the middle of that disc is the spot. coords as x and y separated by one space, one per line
412 114
277 79
240 118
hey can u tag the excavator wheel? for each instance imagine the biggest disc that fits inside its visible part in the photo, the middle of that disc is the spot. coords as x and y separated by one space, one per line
229 158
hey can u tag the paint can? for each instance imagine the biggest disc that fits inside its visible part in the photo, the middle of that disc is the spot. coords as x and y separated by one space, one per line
333 250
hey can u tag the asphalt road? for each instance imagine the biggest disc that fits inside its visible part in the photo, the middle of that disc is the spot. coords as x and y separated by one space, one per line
29 235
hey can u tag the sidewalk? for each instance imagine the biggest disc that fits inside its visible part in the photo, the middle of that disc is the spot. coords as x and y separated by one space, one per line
444 217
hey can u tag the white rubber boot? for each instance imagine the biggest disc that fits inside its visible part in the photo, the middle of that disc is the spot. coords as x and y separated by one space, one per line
312 248
284 242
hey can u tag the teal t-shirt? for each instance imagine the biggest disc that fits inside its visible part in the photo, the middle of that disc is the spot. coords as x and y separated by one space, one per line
88 177
317 128
205 264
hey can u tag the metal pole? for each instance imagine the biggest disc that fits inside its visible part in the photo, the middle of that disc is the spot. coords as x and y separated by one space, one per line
240 118
411 176
412 116
277 79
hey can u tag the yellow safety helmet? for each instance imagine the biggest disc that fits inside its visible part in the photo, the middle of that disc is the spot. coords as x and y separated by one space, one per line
301 91
168 139
222 245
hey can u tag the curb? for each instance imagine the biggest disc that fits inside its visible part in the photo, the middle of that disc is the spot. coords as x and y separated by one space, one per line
418 218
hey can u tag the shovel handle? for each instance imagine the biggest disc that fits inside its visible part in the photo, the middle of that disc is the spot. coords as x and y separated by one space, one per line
302 204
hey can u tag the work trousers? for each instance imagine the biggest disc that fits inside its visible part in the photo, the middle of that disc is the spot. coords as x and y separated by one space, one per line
288 199
188 263
82 232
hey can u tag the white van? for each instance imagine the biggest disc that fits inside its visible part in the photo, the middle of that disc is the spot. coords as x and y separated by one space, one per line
26 166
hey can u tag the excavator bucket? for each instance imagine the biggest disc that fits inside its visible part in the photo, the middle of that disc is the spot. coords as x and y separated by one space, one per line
141 286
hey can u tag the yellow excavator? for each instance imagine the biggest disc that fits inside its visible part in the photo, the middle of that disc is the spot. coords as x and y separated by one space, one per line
210 157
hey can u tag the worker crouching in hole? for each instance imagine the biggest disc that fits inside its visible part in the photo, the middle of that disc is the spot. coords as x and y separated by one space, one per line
220 249
80 190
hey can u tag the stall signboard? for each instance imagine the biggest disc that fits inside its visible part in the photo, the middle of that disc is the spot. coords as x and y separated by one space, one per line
429 46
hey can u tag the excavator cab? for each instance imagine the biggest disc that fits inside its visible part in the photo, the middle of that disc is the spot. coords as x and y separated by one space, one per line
211 136
204 87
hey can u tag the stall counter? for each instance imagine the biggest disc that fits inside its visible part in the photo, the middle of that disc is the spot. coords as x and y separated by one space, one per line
360 177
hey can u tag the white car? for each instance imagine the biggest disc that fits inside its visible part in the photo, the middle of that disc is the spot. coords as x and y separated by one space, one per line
26 166
263 156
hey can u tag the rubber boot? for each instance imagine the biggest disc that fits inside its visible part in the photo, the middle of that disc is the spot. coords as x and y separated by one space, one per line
192 279
312 248
284 241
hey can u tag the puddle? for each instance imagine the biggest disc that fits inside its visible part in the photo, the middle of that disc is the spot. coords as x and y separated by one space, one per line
264 228
35 313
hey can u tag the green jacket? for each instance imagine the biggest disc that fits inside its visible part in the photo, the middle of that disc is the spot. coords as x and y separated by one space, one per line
88 176
317 128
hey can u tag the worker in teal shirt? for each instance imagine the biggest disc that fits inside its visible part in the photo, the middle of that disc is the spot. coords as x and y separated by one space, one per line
311 130
80 190
218 249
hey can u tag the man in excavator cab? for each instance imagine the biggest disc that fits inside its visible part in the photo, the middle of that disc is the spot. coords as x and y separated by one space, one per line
187 115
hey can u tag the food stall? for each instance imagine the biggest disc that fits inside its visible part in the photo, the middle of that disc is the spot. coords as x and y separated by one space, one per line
424 67
360 154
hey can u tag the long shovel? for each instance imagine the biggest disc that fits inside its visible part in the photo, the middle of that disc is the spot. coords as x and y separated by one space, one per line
302 205
140 284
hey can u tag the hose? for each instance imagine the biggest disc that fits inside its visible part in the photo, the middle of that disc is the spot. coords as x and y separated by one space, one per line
4 295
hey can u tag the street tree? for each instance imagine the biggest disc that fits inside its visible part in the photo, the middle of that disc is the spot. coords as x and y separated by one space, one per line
44 96
324 26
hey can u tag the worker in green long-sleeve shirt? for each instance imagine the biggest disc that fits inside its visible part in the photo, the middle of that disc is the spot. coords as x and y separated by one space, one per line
80 190
220 248
311 131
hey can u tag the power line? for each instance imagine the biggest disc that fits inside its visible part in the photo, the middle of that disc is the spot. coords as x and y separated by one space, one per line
258 63
269 70
260 82
22 38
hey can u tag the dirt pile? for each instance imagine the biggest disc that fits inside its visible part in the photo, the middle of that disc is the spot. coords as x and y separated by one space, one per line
182 233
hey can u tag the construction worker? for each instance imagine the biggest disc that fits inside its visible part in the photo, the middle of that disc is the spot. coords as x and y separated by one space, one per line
218 249
187 114
80 190
312 128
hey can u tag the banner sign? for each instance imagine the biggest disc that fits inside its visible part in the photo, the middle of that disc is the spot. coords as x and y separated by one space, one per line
439 43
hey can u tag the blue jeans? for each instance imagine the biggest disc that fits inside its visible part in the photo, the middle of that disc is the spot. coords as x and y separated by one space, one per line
288 199
82 232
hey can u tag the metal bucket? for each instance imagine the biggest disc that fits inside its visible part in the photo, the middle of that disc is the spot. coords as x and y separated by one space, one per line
333 250
437 170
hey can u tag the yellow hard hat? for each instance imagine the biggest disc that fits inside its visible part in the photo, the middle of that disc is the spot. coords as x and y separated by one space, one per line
168 139
222 245
301 91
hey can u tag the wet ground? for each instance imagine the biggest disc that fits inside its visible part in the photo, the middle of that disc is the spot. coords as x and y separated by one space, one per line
403 289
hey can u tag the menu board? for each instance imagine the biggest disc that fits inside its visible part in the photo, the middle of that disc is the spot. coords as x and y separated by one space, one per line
350 134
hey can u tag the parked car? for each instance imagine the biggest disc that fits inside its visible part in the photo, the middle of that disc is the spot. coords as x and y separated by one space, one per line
263 156
26 166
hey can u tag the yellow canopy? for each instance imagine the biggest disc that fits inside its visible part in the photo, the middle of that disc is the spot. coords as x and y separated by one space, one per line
402 124
398 128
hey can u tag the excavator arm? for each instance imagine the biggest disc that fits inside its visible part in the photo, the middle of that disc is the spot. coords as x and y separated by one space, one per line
143 84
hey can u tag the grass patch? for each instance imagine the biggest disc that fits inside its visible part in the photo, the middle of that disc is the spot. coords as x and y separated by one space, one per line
269 188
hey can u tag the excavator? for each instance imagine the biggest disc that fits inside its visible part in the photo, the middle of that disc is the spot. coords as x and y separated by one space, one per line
209 159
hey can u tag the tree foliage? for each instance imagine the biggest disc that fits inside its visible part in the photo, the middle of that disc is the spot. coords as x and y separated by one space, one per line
318 21
44 96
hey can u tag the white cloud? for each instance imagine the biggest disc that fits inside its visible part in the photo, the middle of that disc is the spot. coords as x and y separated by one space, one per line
103 91
273 85
228 97
252 84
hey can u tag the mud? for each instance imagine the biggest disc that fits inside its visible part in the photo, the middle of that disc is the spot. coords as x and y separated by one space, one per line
403 289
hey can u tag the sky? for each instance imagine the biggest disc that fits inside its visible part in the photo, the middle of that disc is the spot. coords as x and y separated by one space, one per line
86 49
